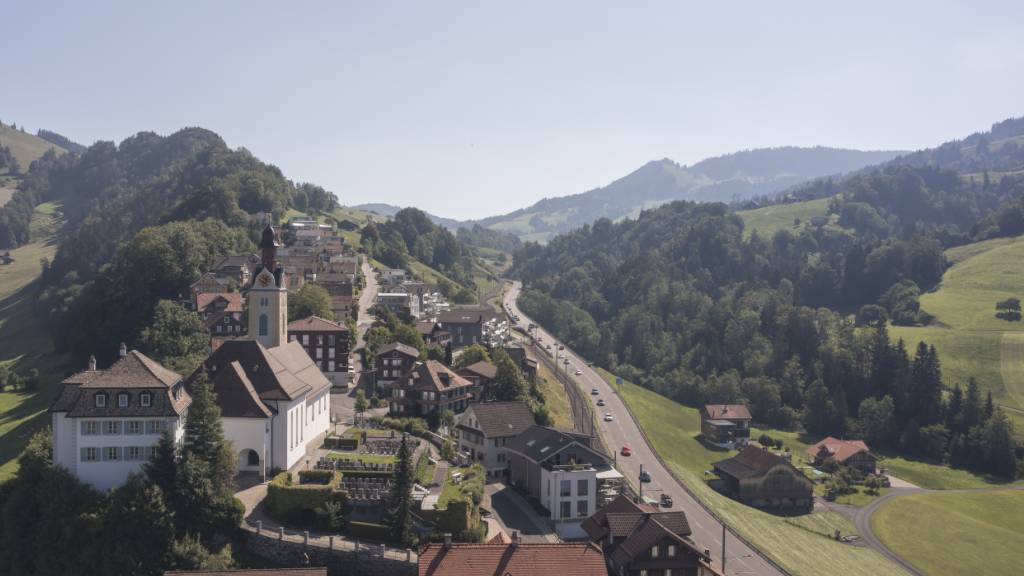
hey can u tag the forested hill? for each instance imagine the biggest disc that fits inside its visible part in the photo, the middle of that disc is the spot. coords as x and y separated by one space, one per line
390 210
724 178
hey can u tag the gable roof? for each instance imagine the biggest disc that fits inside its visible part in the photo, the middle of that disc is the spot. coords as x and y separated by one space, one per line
500 419
134 370
466 315
236 395
622 516
434 375
284 372
233 261
522 559
133 374
234 300
410 351
839 450
647 533
316 324
727 411
481 368
538 443
751 462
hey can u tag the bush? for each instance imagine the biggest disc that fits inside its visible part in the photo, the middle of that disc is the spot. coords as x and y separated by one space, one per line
370 531
337 443
291 503
766 440
414 426
315 476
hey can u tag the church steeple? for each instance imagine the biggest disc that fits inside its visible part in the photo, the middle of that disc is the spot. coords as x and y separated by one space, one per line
268 296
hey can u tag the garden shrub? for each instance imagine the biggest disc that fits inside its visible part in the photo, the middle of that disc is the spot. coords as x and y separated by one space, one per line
296 503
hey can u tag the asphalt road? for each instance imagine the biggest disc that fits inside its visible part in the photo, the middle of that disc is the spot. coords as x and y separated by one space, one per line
707 531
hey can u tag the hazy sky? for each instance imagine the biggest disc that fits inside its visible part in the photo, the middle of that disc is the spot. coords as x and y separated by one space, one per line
473 108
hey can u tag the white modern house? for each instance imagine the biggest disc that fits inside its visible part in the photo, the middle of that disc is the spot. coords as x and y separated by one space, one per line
106 422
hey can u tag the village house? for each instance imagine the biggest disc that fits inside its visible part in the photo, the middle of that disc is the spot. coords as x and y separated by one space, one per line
428 389
432 333
485 429
393 276
401 304
274 400
524 359
852 453
106 422
207 283
725 425
514 558
466 324
236 267
209 303
341 292
564 473
757 477
481 374
641 539
225 325
326 342
393 361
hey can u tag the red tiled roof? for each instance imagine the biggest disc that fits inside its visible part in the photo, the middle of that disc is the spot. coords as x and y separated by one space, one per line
516 559
840 450
727 411
316 324
251 572
481 368
233 299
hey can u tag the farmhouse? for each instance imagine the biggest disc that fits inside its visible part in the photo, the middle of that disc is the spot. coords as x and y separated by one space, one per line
429 389
725 425
759 478
853 453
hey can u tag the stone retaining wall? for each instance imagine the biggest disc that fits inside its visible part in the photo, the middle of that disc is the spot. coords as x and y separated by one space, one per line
341 557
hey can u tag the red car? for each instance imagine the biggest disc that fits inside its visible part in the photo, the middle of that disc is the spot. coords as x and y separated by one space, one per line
626 450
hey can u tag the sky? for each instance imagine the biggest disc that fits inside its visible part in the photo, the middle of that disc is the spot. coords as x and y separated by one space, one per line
470 109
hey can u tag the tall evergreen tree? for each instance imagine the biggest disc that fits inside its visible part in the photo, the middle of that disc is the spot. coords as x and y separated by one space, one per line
1000 446
138 530
926 386
401 495
204 436
162 467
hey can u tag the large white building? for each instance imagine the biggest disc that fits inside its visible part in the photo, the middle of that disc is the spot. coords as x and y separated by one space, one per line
106 422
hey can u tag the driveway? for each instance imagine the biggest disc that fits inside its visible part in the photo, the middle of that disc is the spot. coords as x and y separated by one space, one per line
707 531
514 514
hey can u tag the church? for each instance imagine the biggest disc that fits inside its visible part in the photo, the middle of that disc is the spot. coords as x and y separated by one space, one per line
275 402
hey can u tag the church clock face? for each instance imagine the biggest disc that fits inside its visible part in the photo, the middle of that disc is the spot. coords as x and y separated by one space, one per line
264 280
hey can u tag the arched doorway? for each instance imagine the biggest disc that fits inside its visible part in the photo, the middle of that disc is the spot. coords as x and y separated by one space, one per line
249 460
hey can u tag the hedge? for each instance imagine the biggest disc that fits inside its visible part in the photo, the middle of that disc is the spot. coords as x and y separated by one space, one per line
370 531
336 443
287 502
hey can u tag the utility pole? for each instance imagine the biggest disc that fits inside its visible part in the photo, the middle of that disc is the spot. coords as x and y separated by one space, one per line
723 548
641 484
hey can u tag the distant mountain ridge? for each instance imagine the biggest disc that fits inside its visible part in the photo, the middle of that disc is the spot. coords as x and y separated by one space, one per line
390 210
730 177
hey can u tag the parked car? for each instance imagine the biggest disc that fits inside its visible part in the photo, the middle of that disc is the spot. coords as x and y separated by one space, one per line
594 392
645 476
579 372
608 417
600 401
626 450
666 501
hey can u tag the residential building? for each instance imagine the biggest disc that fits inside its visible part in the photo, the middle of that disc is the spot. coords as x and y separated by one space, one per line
106 422
564 473
393 361
512 559
251 572
208 282
524 359
393 276
326 342
401 304
428 389
341 292
275 402
485 429
432 333
237 267
757 477
641 539
852 453
466 324
222 314
226 325
725 425
481 374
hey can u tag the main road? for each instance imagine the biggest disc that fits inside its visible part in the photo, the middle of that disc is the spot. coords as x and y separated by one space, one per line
707 531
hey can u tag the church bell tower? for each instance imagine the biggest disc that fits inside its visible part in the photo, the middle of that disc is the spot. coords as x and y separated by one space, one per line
268 296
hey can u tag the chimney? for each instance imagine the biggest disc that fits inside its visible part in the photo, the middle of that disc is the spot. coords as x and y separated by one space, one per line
515 538
725 408
92 364
123 351
447 539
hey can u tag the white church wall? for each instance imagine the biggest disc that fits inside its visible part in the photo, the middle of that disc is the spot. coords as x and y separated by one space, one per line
248 434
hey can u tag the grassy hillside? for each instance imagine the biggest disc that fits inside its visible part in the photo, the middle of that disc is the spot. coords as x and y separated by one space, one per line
770 219
956 533
25 147
971 341
799 543
24 343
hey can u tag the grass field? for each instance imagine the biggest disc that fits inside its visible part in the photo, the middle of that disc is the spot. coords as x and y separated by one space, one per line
928 475
24 343
770 219
956 532
555 397
971 341
25 147
799 543
368 458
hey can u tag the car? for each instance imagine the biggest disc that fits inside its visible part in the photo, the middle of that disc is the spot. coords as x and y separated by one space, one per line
608 417
666 501
561 346
600 401
626 450
645 476
579 372
566 361
594 392
548 347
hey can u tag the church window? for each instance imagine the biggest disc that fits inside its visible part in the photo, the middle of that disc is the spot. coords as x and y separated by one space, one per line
145 399
264 325
101 400
264 301
122 400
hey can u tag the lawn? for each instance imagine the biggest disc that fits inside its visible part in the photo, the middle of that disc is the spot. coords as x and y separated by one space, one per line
368 458
425 469
555 397
25 147
799 543
472 478
770 219
357 432
956 532
24 343
934 477
971 341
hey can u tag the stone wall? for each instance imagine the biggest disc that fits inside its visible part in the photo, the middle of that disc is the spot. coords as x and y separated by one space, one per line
341 558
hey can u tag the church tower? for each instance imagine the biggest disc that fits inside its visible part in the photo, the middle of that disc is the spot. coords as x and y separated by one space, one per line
268 296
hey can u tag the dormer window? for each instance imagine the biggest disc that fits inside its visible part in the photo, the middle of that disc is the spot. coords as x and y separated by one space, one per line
654 551
122 400
101 400
145 399
671 550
